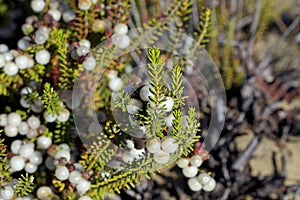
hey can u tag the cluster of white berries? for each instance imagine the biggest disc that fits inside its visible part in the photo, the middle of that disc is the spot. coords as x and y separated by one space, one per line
120 37
12 62
115 83
25 157
60 161
190 170
83 51
57 10
162 149
132 153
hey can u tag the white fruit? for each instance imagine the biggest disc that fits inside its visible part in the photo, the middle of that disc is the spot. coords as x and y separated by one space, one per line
17 163
75 177
204 178
24 103
43 57
190 171
55 14
63 153
30 168
210 186
21 61
33 122
121 40
26 150
3 119
83 186
2 60
37 5
196 160
62 173
63 115
127 157
145 93
7 192
11 69
183 162
36 158
89 63
115 84
44 192
121 29
23 128
153 145
49 117
194 184
161 157
11 131
15 146
84 4
44 142
169 145
14 119
85 42
169 120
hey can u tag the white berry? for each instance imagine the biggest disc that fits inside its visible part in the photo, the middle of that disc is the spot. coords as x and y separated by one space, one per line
36 158
190 171
84 4
63 115
121 40
115 84
2 60
43 57
82 51
33 122
11 69
121 29
194 184
30 168
75 177
89 63
161 157
15 146
196 160
169 145
153 145
204 178
14 119
44 142
62 173
23 128
55 14
145 93
38 5
26 150
85 42
49 117
7 192
69 16
3 48
83 186
44 192
127 157
3 119
63 153
210 186
17 163
21 61
183 162
11 131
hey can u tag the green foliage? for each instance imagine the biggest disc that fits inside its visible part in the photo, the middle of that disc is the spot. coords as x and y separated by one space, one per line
25 185
8 83
67 71
177 88
5 174
156 114
50 100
